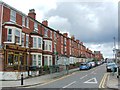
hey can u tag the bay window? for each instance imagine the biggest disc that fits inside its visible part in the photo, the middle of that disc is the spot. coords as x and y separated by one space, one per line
14 35
50 60
9 36
45 60
37 42
48 45
33 60
34 42
36 59
39 60
17 36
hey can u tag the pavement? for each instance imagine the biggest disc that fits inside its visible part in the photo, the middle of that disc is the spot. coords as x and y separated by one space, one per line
36 80
112 81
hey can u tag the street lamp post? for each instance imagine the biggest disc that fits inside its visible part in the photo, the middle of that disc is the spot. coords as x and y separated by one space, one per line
114 50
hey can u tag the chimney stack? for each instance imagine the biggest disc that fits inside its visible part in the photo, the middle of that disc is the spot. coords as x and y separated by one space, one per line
72 37
77 41
32 13
65 34
45 22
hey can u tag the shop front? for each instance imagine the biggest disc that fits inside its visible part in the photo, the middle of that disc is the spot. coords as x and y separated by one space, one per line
15 62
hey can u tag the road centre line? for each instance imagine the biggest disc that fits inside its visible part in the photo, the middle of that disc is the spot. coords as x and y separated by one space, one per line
83 77
69 84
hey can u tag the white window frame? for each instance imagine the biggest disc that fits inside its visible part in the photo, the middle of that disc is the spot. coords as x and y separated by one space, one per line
37 39
27 22
9 34
34 42
51 34
23 38
37 61
48 60
13 34
23 20
45 32
12 16
47 44
18 36
35 26
27 44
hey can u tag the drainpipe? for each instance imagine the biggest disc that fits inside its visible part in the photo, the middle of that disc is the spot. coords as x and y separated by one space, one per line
1 25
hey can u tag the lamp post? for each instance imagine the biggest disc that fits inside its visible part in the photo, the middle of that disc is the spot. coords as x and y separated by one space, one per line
114 50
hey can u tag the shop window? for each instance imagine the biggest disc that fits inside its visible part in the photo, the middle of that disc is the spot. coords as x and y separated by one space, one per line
16 59
21 60
10 59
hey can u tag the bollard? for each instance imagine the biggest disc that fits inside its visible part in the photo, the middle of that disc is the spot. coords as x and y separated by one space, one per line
21 79
118 72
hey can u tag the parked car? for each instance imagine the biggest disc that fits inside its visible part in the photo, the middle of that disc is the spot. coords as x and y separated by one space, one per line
93 64
90 65
84 66
110 67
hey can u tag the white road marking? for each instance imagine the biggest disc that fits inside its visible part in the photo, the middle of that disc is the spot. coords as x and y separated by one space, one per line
83 77
92 72
69 84
92 81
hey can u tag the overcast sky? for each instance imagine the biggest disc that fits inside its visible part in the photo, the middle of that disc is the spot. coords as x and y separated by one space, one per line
94 23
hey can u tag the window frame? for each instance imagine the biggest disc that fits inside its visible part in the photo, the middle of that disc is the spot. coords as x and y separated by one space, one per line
13 15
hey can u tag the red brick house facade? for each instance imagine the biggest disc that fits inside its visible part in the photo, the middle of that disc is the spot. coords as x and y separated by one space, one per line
25 42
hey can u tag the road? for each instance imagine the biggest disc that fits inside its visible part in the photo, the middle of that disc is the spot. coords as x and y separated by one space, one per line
93 78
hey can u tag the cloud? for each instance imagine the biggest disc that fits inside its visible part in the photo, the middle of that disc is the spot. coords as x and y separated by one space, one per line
106 48
90 22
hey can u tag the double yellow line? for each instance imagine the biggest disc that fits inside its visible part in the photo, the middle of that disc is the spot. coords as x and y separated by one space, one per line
102 83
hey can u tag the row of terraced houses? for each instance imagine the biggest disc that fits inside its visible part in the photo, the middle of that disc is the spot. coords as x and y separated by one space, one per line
24 41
